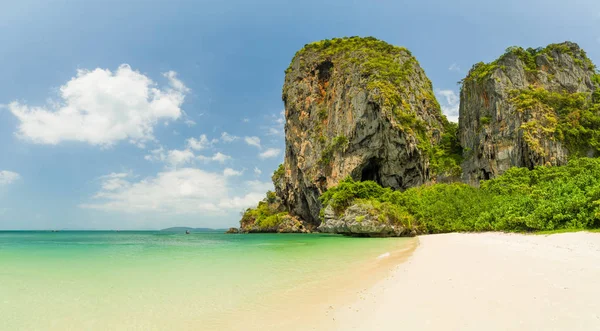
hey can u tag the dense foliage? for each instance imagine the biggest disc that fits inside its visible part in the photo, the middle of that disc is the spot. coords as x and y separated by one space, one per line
542 199
573 118
267 215
446 157
278 174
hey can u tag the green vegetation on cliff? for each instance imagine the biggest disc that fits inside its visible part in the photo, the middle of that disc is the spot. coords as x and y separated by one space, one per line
264 216
529 57
572 118
446 157
339 143
542 199
268 215
550 106
278 174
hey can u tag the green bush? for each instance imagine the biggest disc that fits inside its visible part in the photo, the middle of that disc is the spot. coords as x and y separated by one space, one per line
542 199
278 174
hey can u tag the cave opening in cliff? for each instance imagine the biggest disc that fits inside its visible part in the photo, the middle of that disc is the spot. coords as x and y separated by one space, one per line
324 70
371 171
486 175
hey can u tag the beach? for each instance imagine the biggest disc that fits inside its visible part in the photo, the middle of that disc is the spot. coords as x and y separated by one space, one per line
154 281
485 281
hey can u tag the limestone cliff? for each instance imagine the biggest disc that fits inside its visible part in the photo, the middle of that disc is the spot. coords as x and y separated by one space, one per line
363 108
530 107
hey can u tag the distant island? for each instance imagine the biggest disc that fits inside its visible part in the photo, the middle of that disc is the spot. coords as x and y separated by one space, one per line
183 229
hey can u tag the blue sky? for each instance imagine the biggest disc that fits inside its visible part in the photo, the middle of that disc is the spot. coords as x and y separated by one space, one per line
149 114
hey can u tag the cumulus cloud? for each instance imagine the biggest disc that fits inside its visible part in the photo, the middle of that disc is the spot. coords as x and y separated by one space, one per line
101 107
227 138
176 158
7 177
269 153
157 154
257 171
277 126
180 191
114 181
228 172
217 157
253 141
449 101
200 143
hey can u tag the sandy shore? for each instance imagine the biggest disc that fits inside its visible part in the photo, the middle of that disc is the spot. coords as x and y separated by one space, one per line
487 281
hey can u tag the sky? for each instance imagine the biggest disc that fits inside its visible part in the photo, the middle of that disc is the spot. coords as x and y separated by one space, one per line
151 114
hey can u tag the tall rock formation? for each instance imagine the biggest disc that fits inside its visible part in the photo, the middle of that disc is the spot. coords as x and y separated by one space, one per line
363 108
530 107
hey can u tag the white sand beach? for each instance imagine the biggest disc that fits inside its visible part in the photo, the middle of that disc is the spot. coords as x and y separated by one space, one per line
486 281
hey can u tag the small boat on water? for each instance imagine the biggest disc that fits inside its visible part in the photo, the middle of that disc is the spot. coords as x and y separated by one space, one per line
187 231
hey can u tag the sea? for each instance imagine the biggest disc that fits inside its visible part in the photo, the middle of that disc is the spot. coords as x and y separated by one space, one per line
152 280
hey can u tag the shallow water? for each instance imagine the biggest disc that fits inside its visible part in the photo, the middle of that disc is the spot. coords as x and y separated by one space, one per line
157 280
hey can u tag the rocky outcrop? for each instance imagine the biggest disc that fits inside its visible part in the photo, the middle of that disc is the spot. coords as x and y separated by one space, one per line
233 231
362 220
271 216
355 107
530 107
361 108
285 224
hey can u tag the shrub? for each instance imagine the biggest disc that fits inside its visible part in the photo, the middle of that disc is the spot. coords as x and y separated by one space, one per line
542 199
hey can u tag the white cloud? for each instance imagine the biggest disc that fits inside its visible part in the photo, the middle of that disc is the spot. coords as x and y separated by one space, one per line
275 132
245 120
240 203
257 171
114 181
252 141
7 177
201 143
454 67
228 172
227 138
258 186
101 107
449 101
181 191
158 154
270 153
277 129
217 157
190 122
176 158
281 118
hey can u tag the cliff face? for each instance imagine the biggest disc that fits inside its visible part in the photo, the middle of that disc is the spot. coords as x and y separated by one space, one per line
530 107
357 107
362 108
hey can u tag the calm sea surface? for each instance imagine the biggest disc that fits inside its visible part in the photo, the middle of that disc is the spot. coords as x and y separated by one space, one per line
157 280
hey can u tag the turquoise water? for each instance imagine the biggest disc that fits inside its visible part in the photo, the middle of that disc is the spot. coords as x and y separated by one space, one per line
155 280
